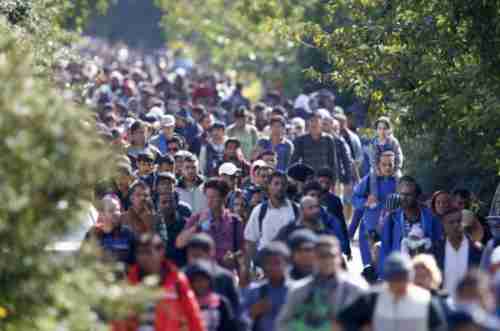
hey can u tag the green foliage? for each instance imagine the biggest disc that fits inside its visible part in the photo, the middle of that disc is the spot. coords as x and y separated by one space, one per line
227 36
431 65
51 161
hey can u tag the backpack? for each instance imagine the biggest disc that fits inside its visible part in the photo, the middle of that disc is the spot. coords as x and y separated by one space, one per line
265 206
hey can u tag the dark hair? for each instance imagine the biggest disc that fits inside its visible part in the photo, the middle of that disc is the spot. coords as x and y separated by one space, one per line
412 181
137 125
384 120
450 212
138 183
267 152
190 158
166 158
199 108
435 195
274 248
278 119
259 107
464 194
328 240
325 172
312 186
279 174
200 268
279 110
219 185
202 241
178 140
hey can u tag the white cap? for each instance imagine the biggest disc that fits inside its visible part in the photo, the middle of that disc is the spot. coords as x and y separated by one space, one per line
167 120
156 112
260 164
495 256
228 168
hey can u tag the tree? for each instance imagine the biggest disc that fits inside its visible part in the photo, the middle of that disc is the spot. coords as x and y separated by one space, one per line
51 162
433 66
226 37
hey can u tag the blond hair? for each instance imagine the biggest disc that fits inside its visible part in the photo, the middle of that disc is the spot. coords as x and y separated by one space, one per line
429 262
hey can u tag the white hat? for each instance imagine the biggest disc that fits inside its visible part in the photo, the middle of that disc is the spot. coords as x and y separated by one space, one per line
260 164
156 112
228 168
495 256
167 120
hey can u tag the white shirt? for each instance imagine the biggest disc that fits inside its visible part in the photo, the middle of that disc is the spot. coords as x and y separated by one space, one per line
455 264
274 220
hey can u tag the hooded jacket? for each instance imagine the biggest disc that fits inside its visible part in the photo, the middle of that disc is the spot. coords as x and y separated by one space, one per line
178 310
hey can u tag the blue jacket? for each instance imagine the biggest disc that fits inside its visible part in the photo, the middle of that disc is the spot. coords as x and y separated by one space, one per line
333 205
284 150
393 232
192 133
371 216
333 226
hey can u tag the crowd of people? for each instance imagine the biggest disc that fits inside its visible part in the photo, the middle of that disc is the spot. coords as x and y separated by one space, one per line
250 213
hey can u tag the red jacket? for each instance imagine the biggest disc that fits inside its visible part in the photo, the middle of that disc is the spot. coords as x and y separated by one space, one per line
177 311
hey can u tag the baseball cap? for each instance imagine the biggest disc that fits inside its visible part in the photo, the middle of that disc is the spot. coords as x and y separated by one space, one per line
228 168
218 125
260 164
167 121
338 113
397 266
166 175
146 154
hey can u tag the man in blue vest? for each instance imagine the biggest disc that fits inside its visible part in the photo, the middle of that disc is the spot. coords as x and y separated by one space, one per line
278 143
160 141
373 208
398 224
212 154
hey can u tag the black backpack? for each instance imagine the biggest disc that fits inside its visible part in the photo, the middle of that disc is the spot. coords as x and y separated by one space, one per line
265 206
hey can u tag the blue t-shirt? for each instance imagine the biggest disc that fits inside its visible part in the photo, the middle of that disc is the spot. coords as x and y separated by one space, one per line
256 292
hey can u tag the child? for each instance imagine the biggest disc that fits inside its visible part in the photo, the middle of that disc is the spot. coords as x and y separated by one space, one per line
215 309
384 142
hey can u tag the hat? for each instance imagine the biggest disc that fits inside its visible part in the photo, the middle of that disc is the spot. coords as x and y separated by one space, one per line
233 140
228 168
183 113
201 240
182 153
324 113
260 164
338 113
156 112
240 112
146 154
300 172
495 256
167 121
218 125
166 175
397 266
301 238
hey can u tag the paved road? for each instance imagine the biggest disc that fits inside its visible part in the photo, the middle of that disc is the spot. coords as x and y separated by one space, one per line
355 265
